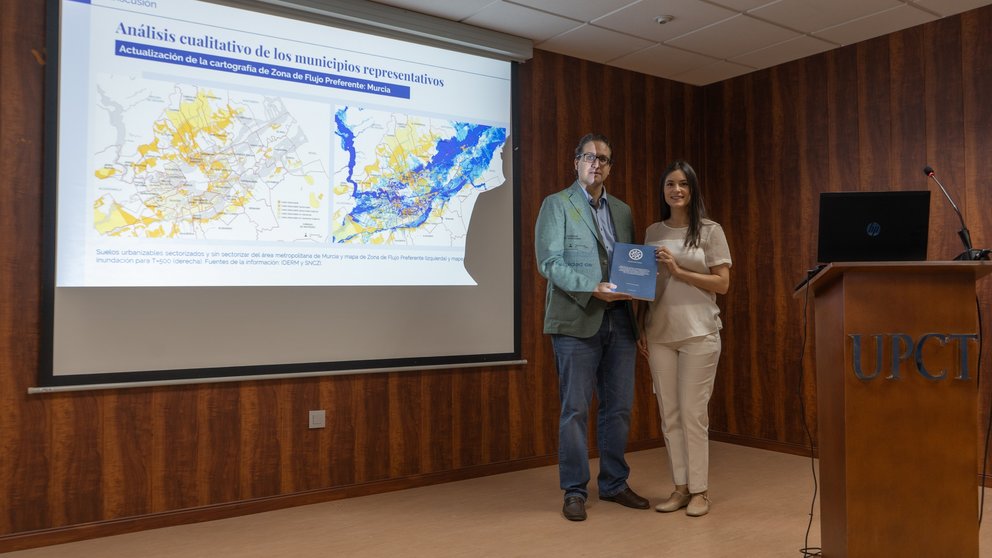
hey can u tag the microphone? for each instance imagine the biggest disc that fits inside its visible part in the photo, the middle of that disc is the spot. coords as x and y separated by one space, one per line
969 253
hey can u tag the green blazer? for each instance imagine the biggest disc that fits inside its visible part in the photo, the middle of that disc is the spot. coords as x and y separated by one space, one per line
572 257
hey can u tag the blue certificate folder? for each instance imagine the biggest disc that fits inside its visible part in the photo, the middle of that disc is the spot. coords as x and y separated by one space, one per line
634 270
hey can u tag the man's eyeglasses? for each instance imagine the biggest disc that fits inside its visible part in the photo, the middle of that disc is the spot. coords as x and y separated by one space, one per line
590 157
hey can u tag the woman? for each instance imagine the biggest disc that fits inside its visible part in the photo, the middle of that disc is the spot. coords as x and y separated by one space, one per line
681 331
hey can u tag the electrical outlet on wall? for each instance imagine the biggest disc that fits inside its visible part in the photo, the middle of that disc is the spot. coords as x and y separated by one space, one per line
317 419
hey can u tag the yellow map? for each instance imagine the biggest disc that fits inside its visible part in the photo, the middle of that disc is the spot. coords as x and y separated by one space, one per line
187 162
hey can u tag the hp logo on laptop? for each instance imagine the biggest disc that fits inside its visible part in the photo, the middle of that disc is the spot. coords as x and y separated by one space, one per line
873 229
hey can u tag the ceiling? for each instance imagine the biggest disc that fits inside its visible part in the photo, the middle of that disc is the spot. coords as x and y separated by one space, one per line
706 41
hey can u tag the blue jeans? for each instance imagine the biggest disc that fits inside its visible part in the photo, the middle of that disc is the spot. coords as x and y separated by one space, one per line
603 363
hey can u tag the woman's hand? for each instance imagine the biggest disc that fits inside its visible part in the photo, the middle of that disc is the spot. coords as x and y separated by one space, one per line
666 258
642 346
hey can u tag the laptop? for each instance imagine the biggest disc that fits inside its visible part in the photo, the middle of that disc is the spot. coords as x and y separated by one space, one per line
872 227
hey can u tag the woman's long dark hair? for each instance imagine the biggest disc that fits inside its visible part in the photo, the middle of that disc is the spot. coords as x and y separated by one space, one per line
697 209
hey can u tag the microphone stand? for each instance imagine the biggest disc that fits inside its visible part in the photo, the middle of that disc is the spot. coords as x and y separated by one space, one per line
970 253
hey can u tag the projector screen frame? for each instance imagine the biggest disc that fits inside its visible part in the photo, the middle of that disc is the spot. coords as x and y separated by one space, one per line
49 381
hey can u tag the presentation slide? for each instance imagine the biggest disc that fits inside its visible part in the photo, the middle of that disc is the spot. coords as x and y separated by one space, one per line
238 189
205 146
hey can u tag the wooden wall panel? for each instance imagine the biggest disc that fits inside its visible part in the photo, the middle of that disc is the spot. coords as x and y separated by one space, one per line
127 450
944 111
868 116
908 109
765 144
371 451
340 440
27 463
974 197
874 119
404 439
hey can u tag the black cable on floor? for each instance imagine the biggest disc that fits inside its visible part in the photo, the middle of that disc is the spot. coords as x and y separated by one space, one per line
807 551
988 427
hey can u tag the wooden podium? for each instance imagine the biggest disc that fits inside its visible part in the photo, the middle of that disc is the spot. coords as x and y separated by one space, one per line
898 430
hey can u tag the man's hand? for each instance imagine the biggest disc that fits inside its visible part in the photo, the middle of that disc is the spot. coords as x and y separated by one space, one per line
606 292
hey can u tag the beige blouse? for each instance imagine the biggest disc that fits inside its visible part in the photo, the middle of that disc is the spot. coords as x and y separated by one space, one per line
682 311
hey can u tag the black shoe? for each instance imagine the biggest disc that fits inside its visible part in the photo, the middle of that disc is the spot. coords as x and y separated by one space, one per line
627 497
574 508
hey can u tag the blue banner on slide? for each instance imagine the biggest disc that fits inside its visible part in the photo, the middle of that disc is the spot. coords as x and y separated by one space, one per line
129 49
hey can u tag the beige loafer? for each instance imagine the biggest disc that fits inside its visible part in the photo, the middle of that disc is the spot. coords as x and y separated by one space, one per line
698 505
676 501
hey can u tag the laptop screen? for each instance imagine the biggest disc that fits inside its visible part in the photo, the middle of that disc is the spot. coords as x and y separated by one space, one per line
873 226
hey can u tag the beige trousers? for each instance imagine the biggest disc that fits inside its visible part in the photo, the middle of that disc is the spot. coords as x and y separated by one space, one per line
683 374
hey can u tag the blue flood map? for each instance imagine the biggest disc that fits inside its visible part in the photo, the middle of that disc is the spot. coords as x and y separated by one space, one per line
403 173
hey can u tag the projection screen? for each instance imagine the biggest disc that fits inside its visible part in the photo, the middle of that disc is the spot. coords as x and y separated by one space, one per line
234 194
